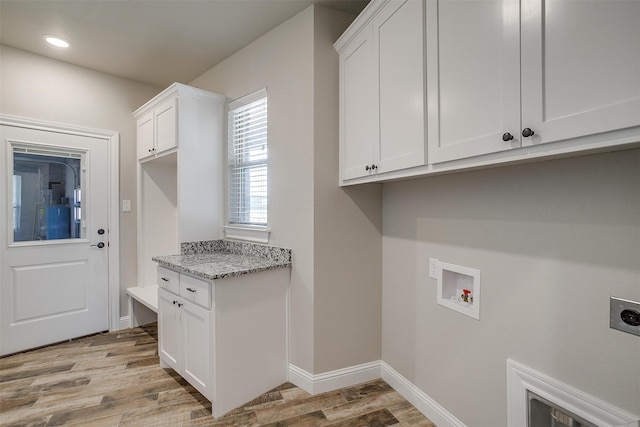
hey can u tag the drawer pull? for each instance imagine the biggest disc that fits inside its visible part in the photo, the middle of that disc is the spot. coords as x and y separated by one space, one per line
191 290
164 279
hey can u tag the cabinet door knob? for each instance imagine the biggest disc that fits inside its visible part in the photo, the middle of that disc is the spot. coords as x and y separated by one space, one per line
374 167
367 168
175 302
526 132
507 137
180 304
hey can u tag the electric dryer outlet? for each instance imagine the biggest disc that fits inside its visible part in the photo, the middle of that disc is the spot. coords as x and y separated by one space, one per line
625 315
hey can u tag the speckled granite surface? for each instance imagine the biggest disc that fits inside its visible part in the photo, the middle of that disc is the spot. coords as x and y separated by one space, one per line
216 259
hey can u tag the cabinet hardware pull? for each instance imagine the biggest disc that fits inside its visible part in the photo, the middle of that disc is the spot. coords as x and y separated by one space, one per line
191 290
367 168
180 304
164 279
526 132
507 137
372 167
175 302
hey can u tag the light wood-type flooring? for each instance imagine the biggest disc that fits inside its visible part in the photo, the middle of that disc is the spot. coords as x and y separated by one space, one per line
114 379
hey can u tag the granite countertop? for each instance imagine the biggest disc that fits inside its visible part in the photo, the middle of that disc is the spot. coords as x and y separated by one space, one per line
217 259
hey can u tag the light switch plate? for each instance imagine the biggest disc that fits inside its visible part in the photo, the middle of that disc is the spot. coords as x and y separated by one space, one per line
625 315
126 206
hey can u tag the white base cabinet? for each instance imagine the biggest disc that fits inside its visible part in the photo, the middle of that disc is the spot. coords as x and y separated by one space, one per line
186 325
226 337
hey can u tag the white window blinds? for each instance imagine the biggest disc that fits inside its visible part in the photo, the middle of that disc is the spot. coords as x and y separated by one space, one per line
247 160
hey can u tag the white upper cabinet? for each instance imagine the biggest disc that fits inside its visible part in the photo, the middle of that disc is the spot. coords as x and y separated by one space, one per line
158 128
144 136
166 132
399 38
473 77
382 90
359 106
580 68
505 74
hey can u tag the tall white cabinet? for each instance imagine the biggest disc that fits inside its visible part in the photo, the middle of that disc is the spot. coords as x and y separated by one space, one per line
180 147
382 90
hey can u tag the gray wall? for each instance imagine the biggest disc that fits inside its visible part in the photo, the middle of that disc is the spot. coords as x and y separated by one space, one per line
307 211
553 241
347 228
44 89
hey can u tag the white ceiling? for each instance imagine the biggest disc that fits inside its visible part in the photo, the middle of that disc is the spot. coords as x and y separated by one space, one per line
151 41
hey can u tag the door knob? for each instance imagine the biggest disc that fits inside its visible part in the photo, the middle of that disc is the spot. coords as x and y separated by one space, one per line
100 245
507 137
101 231
526 132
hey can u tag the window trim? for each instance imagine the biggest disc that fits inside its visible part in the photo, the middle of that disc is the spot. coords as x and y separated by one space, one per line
245 232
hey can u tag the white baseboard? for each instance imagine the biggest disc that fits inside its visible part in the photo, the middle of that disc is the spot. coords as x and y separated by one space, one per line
429 407
124 323
329 381
333 380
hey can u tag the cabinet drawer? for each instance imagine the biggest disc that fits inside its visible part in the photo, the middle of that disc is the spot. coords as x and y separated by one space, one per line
168 279
197 291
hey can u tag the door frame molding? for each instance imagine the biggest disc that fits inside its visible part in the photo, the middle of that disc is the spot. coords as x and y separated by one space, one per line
113 197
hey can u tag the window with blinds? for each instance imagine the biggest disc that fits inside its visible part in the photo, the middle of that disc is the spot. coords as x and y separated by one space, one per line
247 160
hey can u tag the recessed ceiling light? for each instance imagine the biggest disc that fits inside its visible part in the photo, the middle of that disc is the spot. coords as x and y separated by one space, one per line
57 41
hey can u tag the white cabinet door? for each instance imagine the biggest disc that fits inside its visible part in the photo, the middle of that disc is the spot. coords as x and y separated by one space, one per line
144 135
358 106
198 336
473 77
398 36
170 338
166 115
580 67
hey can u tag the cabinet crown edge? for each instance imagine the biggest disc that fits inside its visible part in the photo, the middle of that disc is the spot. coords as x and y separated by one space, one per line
360 22
177 89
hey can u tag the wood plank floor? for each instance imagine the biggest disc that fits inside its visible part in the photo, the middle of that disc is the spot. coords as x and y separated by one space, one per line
115 379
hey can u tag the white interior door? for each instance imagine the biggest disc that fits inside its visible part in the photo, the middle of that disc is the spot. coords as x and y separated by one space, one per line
55 266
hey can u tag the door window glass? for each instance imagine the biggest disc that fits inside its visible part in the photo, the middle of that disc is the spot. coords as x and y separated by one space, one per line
47 195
